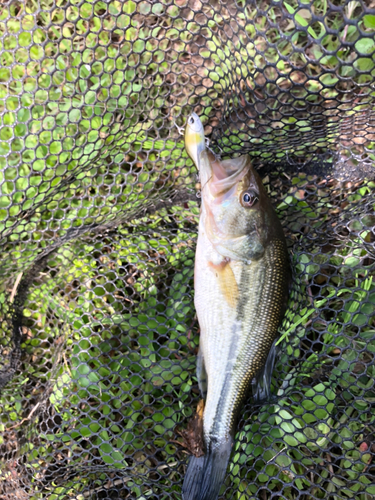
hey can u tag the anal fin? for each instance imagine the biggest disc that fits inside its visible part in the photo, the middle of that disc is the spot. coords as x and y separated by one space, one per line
201 374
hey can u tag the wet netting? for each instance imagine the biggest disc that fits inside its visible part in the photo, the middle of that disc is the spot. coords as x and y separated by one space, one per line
99 206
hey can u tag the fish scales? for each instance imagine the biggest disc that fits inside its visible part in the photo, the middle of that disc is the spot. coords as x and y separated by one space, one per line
240 338
241 286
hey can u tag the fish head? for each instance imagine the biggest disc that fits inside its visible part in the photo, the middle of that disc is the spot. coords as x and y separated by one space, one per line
237 215
239 219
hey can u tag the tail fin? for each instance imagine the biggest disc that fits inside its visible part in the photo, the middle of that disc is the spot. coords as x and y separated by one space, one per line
193 478
205 475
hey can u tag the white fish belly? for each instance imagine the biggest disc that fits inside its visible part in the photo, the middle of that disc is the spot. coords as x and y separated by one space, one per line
220 330
236 329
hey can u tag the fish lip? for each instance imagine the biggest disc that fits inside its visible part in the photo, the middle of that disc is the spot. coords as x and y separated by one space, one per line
227 166
225 177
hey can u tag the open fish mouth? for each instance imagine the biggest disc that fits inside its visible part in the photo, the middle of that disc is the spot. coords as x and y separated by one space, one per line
226 174
220 176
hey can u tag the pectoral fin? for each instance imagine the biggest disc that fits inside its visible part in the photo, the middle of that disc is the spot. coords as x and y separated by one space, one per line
226 281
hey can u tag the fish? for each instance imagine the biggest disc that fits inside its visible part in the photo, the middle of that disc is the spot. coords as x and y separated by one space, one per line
242 279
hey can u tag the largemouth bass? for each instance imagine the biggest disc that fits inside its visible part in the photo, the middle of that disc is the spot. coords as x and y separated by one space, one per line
242 276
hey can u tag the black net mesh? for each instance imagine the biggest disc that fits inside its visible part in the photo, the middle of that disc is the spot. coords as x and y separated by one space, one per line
98 222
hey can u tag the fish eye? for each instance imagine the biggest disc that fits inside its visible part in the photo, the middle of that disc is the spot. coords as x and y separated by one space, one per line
249 199
191 121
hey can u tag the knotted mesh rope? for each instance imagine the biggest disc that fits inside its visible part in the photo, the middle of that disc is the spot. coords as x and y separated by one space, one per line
98 222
